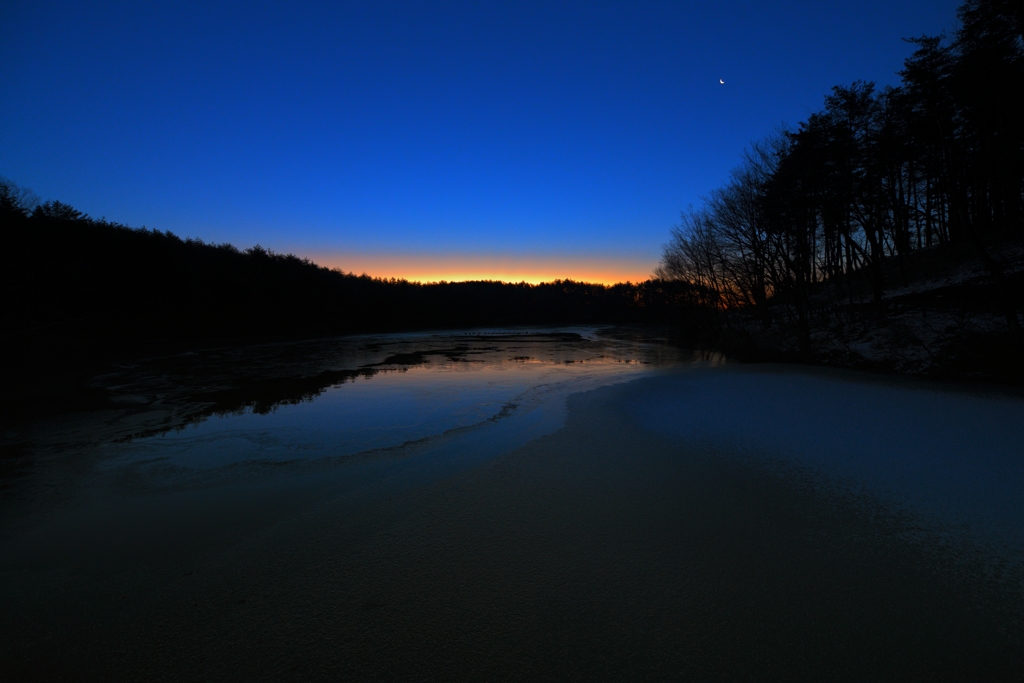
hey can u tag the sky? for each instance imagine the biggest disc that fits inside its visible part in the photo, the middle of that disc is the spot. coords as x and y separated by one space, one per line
427 140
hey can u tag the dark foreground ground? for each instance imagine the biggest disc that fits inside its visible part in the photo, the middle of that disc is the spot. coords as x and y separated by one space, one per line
601 551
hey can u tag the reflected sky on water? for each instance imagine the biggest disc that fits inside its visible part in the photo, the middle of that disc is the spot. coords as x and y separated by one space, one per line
388 409
361 500
219 410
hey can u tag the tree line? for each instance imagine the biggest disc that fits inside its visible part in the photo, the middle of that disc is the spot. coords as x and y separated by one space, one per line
828 217
73 281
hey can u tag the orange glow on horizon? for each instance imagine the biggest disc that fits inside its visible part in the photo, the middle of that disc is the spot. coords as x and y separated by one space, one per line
460 268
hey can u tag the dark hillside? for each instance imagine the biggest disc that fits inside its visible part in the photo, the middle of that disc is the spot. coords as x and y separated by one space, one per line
78 290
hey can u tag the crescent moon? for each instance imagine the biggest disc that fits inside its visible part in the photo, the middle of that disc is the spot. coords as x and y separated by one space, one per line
721 81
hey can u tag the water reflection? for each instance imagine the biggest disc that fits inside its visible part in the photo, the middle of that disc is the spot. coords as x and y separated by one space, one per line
346 500
329 397
382 409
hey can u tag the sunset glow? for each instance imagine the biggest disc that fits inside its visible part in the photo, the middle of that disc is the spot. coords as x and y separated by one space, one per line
462 267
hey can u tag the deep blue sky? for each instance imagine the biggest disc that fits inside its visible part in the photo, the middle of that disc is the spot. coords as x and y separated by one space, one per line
378 135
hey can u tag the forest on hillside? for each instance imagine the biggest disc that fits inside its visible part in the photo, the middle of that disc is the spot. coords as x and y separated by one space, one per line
888 226
73 282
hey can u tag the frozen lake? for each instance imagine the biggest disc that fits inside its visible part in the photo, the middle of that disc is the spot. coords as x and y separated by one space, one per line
556 504
447 384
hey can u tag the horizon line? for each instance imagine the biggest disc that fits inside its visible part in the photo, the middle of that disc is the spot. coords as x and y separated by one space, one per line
509 269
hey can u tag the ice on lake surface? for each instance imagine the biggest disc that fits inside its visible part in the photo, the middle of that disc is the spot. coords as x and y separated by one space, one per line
953 455
440 403
541 503
401 404
426 404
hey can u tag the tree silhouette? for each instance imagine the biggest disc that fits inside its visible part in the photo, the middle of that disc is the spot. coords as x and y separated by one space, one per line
838 207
